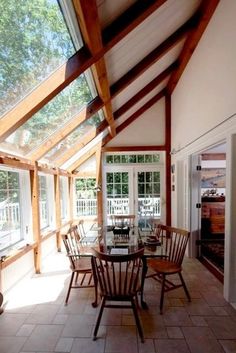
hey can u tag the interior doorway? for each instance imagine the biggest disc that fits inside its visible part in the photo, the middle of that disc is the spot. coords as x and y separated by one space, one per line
210 208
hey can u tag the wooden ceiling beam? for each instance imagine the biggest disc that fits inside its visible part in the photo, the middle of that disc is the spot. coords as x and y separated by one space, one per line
87 15
84 158
91 109
129 20
87 112
133 148
145 90
120 128
47 90
202 16
152 57
80 144
95 132
136 115
68 72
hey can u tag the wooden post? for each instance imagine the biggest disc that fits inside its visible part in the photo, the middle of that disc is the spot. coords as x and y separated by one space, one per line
57 209
34 183
99 184
168 157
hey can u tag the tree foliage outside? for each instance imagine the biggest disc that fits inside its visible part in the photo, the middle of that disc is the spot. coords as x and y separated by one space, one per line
85 188
34 41
9 202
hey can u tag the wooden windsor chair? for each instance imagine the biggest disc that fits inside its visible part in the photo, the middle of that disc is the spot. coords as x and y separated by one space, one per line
81 267
174 242
119 280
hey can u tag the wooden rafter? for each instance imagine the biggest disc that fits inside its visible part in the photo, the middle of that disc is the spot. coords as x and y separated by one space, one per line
203 16
84 158
81 143
129 20
87 112
133 148
95 132
64 75
42 94
120 128
140 111
87 15
145 90
152 57
136 115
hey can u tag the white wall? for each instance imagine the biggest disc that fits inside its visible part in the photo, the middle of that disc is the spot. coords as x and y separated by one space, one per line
17 270
147 130
24 266
203 108
205 95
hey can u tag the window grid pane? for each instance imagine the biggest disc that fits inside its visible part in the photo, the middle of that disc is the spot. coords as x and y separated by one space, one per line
10 216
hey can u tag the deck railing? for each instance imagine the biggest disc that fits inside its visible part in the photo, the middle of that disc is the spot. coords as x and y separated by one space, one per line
88 207
85 207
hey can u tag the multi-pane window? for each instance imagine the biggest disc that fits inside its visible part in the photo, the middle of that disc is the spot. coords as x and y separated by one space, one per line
46 202
117 184
86 197
43 202
64 193
10 215
148 196
132 158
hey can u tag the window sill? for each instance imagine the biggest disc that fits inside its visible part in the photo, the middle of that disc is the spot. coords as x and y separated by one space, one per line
14 254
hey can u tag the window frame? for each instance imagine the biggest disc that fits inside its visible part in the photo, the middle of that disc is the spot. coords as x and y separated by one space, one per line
25 212
50 204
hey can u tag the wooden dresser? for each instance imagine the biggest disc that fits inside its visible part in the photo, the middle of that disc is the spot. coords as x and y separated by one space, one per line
213 213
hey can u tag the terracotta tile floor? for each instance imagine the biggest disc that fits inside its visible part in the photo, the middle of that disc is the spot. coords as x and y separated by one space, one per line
35 318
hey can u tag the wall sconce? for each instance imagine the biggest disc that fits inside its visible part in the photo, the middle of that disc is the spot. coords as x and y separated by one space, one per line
98 188
173 151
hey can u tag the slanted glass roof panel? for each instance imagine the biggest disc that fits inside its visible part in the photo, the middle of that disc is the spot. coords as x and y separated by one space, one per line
66 105
34 41
85 149
75 137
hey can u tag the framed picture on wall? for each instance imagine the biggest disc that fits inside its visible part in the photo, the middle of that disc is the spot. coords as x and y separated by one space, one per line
213 177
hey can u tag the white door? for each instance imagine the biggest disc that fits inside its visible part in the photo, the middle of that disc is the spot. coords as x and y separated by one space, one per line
118 186
133 190
195 203
147 196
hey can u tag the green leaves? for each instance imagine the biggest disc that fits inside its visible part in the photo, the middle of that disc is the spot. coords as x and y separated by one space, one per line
34 41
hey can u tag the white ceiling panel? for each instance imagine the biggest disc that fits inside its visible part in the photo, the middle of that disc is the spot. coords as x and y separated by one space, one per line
146 37
147 77
109 10
141 103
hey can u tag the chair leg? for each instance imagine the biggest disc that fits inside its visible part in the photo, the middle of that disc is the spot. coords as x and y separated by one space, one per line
162 293
99 318
138 324
185 287
77 276
69 289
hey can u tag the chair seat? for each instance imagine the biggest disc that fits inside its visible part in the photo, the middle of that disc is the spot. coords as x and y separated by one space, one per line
82 265
163 266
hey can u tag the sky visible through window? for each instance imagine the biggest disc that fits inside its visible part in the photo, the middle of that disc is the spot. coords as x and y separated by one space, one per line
34 42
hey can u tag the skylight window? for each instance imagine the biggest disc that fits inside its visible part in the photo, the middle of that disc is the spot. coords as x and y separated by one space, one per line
65 106
34 42
85 128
